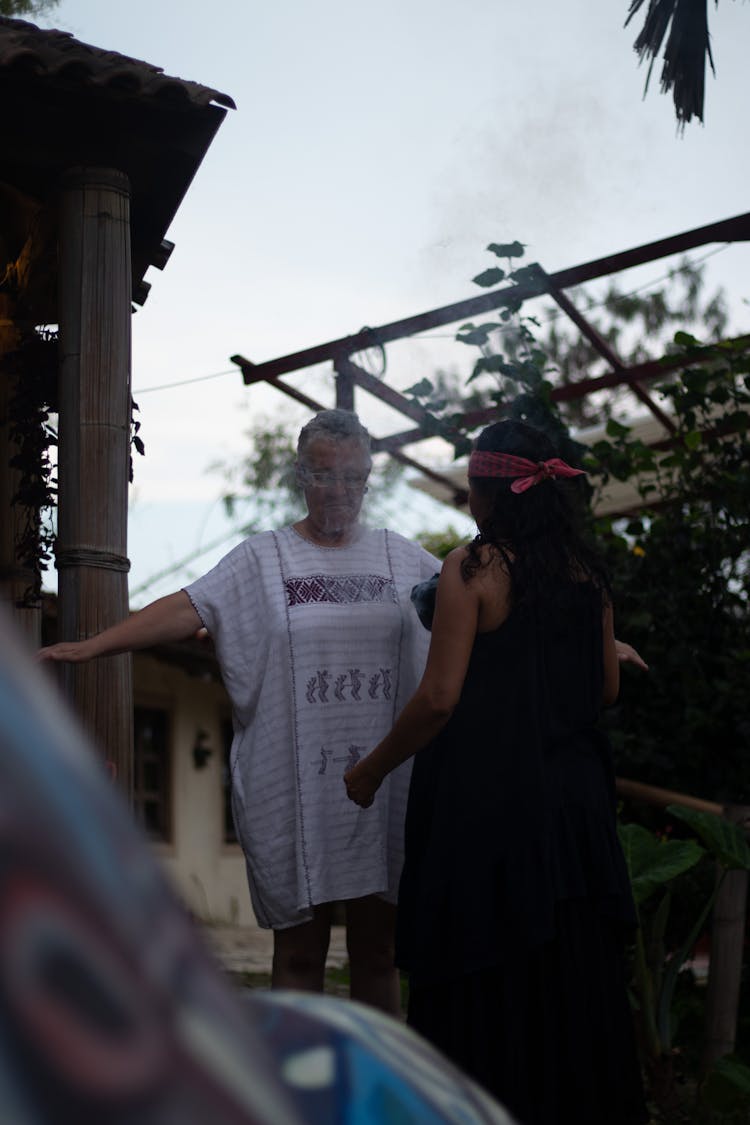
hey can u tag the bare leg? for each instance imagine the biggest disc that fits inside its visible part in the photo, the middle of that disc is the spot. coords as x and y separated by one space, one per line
370 929
299 953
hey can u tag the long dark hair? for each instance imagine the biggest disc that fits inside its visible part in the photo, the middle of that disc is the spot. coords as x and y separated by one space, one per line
538 533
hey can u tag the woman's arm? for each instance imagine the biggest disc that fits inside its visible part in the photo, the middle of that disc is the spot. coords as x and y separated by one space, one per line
171 618
611 659
424 716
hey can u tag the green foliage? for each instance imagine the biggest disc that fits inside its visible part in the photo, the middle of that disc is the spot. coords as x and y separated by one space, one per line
681 571
441 543
653 861
26 7
262 487
513 371
725 840
489 277
636 326
656 865
725 1094
31 370
507 249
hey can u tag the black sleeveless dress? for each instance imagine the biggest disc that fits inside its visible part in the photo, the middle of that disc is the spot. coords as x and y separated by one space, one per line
514 902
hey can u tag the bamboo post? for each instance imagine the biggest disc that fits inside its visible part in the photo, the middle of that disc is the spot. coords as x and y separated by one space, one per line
95 292
725 962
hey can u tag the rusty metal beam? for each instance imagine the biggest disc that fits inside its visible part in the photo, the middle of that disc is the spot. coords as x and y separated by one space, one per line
381 390
567 392
460 495
607 352
395 441
736 229
650 369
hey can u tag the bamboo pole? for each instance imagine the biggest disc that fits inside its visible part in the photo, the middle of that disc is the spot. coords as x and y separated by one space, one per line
725 961
95 301
654 795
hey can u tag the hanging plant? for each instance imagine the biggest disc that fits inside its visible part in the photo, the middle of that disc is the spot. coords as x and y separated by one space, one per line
32 369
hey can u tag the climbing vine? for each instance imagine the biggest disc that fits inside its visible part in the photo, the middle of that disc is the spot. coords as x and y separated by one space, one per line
32 370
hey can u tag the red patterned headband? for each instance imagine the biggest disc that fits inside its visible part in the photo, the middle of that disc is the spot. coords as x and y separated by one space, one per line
486 464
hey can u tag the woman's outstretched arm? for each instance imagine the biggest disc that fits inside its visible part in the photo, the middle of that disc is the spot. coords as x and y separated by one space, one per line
172 618
429 709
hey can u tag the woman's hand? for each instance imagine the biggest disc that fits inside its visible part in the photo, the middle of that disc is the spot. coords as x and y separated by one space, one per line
362 783
67 652
626 654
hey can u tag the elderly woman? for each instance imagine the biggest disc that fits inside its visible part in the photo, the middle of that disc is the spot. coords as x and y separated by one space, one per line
319 648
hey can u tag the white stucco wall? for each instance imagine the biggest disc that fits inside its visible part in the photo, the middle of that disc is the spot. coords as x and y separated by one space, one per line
208 874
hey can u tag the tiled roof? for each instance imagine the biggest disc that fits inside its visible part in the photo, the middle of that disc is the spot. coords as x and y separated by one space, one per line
57 55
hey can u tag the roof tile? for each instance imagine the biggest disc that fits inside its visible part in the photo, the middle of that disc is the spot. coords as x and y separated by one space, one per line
61 57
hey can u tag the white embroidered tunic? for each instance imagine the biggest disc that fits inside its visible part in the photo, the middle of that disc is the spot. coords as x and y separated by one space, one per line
320 648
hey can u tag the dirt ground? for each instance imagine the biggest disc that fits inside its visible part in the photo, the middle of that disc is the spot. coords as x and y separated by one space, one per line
250 949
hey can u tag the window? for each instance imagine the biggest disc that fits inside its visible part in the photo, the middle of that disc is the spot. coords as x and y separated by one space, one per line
152 771
227 733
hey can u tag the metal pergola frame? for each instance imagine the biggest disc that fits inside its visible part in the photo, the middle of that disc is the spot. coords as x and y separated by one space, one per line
349 374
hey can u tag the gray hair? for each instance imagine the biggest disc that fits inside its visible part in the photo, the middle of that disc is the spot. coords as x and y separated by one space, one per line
332 425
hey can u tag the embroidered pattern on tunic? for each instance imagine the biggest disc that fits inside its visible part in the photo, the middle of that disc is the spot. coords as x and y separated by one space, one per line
347 686
339 589
352 756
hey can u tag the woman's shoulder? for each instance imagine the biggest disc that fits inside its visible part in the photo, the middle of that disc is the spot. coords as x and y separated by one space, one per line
485 554
455 558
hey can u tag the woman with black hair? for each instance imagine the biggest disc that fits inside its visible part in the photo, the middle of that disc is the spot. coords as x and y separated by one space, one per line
514 903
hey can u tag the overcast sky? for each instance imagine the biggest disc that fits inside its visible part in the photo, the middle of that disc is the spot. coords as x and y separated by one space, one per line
375 150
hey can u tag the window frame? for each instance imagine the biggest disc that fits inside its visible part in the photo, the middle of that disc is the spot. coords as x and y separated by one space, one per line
160 704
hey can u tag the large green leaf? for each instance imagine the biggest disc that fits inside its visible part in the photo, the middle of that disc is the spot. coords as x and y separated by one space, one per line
735 1072
726 1089
652 862
487 278
723 839
507 249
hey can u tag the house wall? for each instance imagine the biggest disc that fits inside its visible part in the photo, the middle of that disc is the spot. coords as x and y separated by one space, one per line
208 873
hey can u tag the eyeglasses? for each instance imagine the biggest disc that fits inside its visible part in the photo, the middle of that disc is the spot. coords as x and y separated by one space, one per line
352 482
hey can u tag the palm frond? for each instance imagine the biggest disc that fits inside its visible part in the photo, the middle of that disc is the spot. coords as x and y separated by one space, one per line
684 25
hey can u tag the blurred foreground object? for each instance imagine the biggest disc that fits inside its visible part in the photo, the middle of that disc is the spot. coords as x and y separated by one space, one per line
112 1010
348 1063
